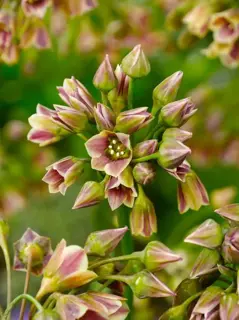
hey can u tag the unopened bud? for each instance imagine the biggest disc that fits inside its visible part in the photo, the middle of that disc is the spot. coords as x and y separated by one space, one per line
47 315
136 64
229 307
166 91
145 148
205 263
91 194
104 117
230 212
176 134
144 172
104 78
230 246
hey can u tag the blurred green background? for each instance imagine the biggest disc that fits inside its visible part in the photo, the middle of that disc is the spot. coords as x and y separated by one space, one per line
34 79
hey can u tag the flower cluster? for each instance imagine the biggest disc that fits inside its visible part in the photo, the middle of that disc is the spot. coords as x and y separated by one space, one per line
125 166
214 277
66 269
23 24
202 17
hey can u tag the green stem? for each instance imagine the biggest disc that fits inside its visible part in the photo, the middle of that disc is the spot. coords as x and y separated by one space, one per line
116 277
152 156
8 267
130 94
132 256
82 136
104 97
17 299
1 312
191 299
27 281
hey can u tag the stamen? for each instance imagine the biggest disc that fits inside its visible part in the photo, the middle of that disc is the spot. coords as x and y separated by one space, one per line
110 146
122 153
114 141
112 152
117 154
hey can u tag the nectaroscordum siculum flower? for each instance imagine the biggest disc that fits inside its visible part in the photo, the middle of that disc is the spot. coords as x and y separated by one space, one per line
120 162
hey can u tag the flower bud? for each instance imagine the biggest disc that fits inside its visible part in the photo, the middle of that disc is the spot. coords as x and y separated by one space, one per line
191 193
118 97
91 194
176 134
175 313
101 243
34 247
136 64
104 117
230 246
143 220
208 234
176 113
172 153
46 315
144 172
35 8
145 148
166 91
104 78
62 174
156 256
208 304
133 120
205 263
144 284
226 271
230 212
229 307
181 171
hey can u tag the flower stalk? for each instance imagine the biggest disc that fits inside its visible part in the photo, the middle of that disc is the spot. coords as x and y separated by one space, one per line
132 256
26 286
4 247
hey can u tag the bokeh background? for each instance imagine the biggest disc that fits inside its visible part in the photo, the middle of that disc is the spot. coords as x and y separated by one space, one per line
114 28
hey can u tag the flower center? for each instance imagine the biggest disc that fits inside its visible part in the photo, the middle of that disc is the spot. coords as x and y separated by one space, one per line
116 149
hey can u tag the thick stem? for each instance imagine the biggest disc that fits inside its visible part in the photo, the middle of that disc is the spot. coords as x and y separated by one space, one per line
130 94
8 267
26 286
152 156
17 299
132 256
82 136
104 97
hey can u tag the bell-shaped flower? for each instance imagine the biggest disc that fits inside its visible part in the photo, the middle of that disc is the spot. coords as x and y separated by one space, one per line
133 120
102 243
172 153
121 190
104 117
205 263
225 26
230 246
136 64
105 79
63 173
44 129
35 8
90 194
67 269
209 235
145 284
145 148
191 193
118 96
229 212
166 91
156 256
35 35
197 19
111 152
207 306
176 113
143 220
6 29
144 172
34 249
229 307
181 171
75 94
78 8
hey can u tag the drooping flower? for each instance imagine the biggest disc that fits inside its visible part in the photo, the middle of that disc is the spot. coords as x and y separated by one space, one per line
181 171
75 94
35 35
143 220
63 173
67 269
77 8
121 190
191 193
111 152
35 8
101 243
6 29
133 120
33 246
91 194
